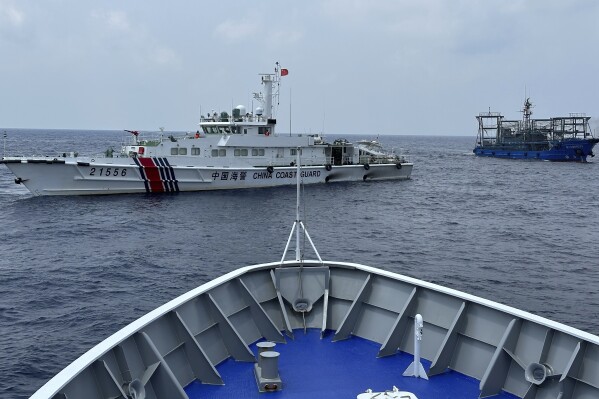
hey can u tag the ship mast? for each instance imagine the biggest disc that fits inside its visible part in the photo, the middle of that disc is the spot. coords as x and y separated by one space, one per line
526 113
298 224
270 98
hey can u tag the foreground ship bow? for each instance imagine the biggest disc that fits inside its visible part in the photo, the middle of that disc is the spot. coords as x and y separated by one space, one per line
241 150
346 330
555 139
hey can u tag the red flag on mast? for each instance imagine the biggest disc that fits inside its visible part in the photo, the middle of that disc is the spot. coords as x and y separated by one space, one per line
284 72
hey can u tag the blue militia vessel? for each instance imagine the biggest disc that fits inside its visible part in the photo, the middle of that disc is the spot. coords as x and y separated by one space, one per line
555 139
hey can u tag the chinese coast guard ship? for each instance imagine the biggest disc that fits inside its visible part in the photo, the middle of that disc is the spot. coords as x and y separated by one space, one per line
319 329
555 139
241 150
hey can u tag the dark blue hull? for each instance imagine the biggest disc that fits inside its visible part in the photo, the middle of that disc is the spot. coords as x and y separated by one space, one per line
563 151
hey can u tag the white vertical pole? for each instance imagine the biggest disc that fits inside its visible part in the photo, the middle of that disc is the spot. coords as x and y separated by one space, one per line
418 324
298 224
415 369
268 82
297 205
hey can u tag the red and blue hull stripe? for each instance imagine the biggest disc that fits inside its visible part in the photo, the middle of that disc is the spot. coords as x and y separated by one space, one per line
158 175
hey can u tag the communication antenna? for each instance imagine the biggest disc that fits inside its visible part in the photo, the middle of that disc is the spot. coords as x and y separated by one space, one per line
4 148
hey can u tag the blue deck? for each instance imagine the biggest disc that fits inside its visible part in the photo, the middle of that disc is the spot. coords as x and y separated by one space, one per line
313 368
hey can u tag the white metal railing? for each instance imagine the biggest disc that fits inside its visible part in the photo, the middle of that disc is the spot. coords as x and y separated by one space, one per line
382 159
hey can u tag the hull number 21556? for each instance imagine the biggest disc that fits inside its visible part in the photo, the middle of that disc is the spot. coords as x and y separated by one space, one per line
108 172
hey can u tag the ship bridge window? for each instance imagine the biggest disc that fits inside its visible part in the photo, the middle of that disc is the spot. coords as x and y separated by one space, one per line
183 151
174 151
196 151
219 153
293 151
257 152
240 152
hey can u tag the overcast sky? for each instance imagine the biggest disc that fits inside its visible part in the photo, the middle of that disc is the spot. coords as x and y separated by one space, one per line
355 66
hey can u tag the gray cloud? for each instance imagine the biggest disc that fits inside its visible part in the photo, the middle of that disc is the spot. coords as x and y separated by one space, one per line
390 66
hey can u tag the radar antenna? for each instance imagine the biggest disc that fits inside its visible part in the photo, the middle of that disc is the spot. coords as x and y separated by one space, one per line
526 113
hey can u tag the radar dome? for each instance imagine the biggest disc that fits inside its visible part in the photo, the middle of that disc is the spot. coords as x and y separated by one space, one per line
259 111
238 112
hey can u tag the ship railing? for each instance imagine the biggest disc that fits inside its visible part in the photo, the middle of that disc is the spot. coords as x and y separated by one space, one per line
106 154
312 161
153 139
346 160
65 155
383 159
36 157
230 118
514 143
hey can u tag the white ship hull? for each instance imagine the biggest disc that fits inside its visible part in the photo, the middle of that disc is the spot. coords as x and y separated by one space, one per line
73 176
241 150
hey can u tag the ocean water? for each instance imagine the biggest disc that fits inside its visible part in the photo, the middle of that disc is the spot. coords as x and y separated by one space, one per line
73 270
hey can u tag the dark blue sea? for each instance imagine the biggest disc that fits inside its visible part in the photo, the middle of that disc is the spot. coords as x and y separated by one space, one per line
73 270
